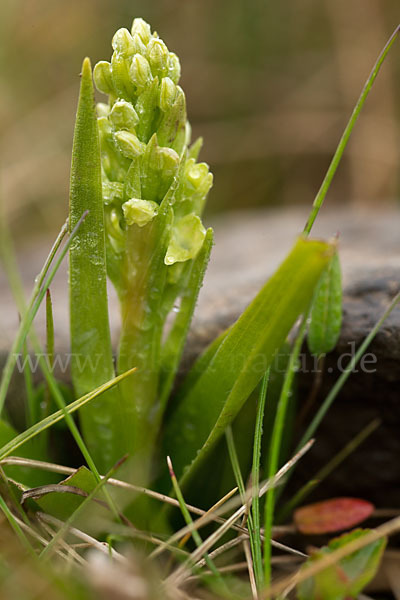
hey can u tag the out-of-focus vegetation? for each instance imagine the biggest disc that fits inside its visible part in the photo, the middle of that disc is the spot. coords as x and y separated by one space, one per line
274 86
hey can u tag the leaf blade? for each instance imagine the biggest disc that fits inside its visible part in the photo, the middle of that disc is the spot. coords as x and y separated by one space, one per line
349 576
233 372
326 312
332 515
92 359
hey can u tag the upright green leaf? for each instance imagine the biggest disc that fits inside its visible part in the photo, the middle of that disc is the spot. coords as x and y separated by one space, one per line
245 353
326 313
348 577
92 360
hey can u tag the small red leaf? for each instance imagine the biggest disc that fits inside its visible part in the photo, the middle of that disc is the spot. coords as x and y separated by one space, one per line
332 515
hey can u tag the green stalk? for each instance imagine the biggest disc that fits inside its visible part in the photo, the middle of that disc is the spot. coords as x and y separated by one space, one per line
189 521
31 403
326 470
346 374
25 326
275 446
320 197
17 529
49 329
242 491
255 539
141 329
173 346
28 313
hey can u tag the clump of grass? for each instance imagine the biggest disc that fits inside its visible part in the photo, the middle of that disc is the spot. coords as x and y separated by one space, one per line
137 196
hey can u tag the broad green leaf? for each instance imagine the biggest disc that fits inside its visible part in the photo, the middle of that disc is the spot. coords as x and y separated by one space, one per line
326 312
79 498
332 515
92 359
239 362
62 504
347 578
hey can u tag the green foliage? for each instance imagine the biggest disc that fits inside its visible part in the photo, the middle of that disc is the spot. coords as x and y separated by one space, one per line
348 577
90 333
243 356
31 432
326 313
32 449
61 504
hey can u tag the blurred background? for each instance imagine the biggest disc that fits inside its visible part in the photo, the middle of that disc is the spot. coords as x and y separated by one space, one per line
270 86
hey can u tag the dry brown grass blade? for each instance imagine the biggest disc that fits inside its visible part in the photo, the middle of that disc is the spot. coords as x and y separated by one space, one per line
55 468
233 503
101 546
69 549
183 571
250 569
209 511
224 548
35 535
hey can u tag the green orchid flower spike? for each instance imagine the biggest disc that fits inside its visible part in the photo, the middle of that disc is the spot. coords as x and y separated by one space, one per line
154 192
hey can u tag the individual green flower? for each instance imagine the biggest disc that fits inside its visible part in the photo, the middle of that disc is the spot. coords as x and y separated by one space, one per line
139 212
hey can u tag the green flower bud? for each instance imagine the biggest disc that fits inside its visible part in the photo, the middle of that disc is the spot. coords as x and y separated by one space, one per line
121 77
147 108
197 174
139 212
133 188
143 29
160 166
167 93
102 109
128 144
186 240
172 129
138 45
174 67
115 233
122 43
198 182
104 126
103 78
194 184
111 160
158 57
140 72
123 115
112 191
